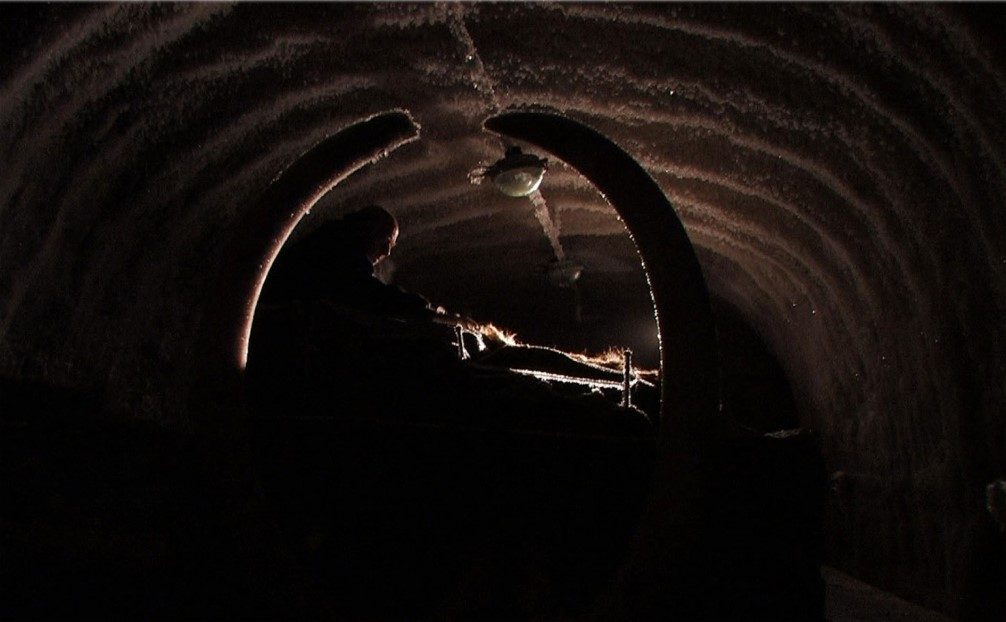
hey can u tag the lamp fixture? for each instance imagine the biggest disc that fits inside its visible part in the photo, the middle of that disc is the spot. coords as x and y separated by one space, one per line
518 174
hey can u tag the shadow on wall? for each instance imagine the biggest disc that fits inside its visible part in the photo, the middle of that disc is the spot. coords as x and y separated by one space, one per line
754 388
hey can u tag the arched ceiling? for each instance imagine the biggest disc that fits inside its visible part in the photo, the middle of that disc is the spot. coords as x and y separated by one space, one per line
840 169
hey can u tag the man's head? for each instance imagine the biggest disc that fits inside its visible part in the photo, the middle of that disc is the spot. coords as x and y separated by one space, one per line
376 229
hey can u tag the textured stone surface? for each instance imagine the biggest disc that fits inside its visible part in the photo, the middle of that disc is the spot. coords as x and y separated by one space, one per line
840 169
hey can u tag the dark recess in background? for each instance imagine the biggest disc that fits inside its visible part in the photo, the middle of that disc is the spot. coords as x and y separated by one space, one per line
754 390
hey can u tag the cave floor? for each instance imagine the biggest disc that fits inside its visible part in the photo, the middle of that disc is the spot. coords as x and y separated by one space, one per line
850 600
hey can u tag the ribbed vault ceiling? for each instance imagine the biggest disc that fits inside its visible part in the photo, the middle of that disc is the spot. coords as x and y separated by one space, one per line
839 168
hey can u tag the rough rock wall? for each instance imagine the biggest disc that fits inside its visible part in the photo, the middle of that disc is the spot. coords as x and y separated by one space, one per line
840 169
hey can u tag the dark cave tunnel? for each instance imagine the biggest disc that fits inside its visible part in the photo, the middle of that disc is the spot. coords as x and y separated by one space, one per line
815 193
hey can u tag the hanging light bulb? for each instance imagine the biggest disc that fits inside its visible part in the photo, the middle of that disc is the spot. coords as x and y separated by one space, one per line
518 174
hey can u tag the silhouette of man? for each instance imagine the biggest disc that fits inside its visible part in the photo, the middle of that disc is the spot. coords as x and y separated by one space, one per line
336 263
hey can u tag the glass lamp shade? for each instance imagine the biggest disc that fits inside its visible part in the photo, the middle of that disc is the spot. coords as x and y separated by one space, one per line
520 181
